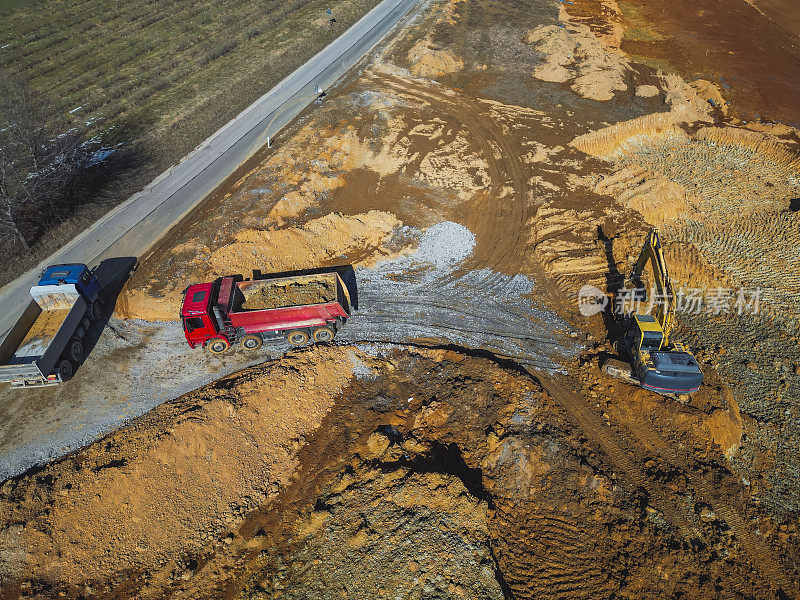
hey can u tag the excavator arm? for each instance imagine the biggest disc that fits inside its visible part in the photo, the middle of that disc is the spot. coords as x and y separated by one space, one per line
651 252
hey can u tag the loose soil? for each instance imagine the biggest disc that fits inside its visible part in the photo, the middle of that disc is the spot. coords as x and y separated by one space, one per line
43 330
340 472
462 440
265 295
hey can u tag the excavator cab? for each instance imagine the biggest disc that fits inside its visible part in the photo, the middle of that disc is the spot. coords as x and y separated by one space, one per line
648 333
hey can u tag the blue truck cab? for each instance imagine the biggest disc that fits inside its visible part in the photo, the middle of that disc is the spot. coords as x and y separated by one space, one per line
76 274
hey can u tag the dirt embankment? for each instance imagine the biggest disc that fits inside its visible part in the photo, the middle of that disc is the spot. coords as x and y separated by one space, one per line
336 473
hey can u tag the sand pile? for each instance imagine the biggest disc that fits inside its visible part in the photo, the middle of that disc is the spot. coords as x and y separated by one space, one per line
317 243
693 101
572 53
266 294
42 332
296 202
431 62
658 199
687 104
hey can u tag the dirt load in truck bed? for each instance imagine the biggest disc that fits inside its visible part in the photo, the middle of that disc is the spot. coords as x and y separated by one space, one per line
43 330
263 295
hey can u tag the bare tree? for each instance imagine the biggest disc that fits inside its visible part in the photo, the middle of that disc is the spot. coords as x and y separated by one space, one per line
41 164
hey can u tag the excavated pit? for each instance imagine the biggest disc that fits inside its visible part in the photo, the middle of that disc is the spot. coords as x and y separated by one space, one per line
413 471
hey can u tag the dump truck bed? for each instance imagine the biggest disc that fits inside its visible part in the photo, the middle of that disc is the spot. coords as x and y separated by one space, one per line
285 302
287 291
35 343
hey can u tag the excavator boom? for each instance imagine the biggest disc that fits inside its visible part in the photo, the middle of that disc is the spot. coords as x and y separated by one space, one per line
665 299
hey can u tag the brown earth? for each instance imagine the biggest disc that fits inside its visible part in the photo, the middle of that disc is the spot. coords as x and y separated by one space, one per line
44 328
430 469
265 295
320 242
337 473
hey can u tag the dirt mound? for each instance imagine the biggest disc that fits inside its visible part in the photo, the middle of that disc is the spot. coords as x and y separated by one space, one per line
658 199
261 295
410 471
427 61
314 244
163 487
573 53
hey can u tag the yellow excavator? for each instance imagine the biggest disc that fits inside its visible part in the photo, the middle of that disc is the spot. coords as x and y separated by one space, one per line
654 361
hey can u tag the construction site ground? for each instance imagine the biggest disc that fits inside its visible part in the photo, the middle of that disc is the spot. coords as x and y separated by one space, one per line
459 439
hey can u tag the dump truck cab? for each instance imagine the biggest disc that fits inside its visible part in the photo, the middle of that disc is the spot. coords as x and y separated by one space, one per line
196 315
75 274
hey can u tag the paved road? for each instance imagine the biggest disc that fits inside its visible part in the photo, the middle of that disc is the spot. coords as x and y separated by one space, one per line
132 228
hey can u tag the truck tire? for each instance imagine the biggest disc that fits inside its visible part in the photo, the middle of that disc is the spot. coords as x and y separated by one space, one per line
323 334
297 337
218 345
96 310
65 370
251 342
75 350
81 329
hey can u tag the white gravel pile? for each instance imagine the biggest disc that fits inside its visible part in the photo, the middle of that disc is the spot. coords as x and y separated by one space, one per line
445 244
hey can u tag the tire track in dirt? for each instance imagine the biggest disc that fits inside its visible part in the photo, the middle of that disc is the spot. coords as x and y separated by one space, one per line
595 429
500 225
759 553
552 554
651 444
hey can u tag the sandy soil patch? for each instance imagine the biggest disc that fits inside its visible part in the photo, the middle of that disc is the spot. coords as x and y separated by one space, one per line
428 61
572 53
161 487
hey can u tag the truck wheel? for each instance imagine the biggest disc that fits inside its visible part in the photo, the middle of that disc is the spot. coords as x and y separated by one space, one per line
298 337
251 342
323 334
218 345
65 370
80 330
75 350
96 310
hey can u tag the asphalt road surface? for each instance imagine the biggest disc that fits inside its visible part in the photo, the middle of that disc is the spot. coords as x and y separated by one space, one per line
135 226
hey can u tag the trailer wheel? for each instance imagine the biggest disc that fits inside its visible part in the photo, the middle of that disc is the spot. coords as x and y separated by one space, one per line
75 350
323 334
218 345
298 337
251 342
80 331
96 310
65 370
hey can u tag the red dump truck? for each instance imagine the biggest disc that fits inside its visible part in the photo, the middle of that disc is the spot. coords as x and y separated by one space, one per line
233 310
